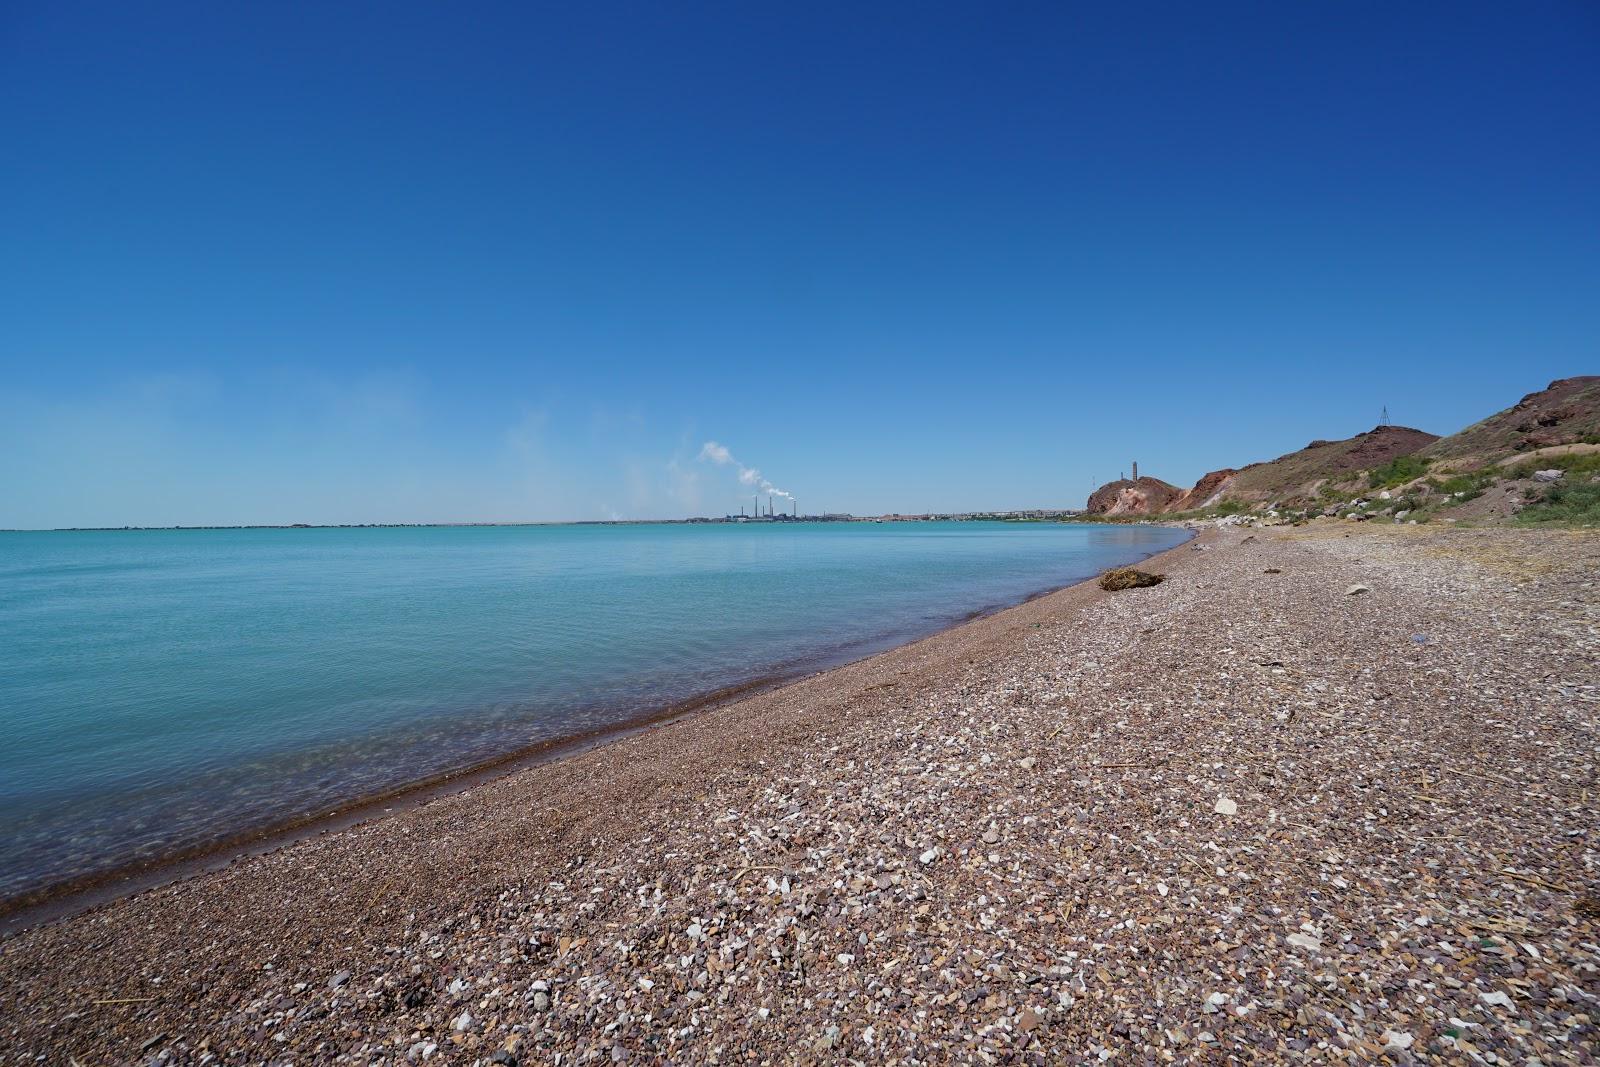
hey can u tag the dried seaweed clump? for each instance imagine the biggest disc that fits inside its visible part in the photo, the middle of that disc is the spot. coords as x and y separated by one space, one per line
1129 578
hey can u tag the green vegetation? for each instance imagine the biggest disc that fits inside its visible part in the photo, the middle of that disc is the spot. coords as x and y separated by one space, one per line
1230 507
1577 504
1470 485
1397 471
1584 463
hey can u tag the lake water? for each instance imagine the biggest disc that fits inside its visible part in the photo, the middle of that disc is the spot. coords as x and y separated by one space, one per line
165 689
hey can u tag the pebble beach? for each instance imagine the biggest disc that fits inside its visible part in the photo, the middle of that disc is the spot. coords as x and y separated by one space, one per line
1325 794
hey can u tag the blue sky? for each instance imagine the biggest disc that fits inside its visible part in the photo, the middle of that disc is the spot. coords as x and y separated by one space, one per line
410 262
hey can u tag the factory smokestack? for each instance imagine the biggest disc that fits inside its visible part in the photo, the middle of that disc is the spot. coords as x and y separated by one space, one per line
1135 470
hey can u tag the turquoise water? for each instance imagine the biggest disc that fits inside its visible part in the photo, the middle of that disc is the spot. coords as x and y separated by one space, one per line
163 689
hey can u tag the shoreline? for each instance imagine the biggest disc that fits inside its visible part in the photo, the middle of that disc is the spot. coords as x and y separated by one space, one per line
62 899
1251 812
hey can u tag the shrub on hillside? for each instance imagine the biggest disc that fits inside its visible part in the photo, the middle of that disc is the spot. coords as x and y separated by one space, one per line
1577 503
1397 471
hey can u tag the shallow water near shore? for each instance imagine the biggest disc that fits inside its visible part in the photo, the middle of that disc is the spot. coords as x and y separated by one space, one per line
165 689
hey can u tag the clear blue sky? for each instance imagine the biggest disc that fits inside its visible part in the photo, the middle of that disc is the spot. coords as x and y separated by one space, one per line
343 263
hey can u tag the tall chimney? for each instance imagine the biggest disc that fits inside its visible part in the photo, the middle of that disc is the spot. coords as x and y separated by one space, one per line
1135 470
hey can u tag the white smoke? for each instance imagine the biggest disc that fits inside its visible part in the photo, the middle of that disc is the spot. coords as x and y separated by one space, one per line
718 454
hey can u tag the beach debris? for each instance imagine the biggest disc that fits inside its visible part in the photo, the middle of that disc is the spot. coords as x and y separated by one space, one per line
1129 578
1357 589
1225 806
1273 570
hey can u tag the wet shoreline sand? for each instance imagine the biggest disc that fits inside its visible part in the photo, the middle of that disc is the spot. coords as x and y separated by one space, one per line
1004 842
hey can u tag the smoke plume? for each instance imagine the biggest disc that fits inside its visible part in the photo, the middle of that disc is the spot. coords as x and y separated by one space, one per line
714 453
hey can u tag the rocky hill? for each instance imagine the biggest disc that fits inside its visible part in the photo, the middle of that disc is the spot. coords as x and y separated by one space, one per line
1404 470
1134 496
1565 413
1290 479
1300 476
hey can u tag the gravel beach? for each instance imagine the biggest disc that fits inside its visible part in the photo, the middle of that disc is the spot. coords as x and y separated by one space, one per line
1324 794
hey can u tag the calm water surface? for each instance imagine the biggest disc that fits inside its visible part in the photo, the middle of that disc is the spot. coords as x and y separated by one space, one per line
162 689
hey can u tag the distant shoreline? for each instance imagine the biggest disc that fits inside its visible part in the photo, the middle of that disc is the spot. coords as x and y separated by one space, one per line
1020 515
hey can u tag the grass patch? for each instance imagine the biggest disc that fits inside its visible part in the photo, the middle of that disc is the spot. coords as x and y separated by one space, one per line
1397 471
1584 463
1470 485
1577 505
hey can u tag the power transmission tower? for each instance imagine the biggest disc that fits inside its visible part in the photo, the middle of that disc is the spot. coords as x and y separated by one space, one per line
1383 420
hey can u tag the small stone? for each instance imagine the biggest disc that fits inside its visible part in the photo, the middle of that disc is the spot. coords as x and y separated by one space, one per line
541 1001
1028 1021
339 979
991 835
1497 999
1393 1039
1357 590
1226 806
929 856
1027 763
1548 476
1306 941
463 1022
